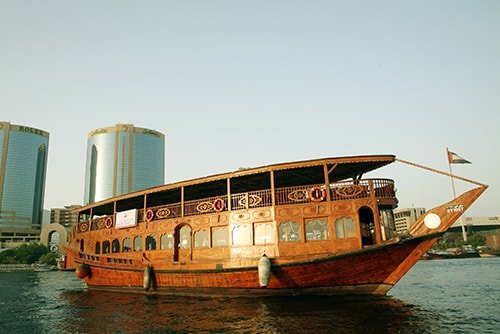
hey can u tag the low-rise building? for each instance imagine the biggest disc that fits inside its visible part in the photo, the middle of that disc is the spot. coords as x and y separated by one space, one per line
404 218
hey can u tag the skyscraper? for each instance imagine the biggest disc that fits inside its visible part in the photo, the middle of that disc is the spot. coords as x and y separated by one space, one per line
123 159
23 165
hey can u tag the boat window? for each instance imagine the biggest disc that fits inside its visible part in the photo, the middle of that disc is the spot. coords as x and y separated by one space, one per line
150 242
316 229
167 241
201 238
185 237
387 224
289 232
137 244
264 233
98 247
241 234
220 237
345 228
127 245
105 247
115 246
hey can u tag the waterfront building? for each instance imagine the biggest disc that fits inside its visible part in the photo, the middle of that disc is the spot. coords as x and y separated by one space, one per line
56 234
23 165
65 216
404 218
122 159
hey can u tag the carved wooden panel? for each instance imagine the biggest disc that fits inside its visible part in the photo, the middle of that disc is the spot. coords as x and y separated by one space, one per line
252 252
217 253
220 219
341 207
83 227
349 191
241 216
184 255
314 210
262 214
286 212
163 213
364 202
201 221
166 225
299 195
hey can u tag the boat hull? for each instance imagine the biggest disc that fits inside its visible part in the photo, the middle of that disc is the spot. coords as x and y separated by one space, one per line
371 270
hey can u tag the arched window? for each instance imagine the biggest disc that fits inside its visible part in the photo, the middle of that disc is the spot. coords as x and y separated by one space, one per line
166 241
387 224
137 244
115 246
105 247
127 245
54 238
344 228
150 242
98 247
220 237
185 237
317 229
201 238
289 232
264 233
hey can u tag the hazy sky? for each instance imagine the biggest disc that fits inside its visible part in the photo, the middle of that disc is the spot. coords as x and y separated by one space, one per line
248 83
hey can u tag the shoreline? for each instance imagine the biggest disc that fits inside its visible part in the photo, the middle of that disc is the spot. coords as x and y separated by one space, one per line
12 268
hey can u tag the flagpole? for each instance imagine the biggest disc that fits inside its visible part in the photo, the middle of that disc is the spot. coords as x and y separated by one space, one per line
451 173
464 234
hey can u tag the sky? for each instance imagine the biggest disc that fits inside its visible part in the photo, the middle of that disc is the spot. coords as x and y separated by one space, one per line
249 83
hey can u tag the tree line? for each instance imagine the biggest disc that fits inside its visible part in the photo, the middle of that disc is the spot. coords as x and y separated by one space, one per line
28 254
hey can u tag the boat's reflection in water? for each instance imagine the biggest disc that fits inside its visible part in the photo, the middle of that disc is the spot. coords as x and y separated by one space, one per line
93 312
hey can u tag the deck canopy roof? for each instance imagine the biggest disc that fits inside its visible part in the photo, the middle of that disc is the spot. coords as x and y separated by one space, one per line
251 179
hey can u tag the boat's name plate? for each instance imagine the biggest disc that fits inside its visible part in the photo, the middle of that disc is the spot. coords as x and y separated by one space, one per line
125 219
455 208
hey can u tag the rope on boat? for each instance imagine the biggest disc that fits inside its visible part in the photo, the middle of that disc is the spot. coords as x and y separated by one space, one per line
441 172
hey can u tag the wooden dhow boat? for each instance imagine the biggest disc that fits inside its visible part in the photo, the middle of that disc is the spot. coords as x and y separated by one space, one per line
307 227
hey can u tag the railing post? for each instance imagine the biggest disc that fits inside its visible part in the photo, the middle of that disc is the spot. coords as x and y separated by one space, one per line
273 195
371 187
144 207
327 182
229 200
182 201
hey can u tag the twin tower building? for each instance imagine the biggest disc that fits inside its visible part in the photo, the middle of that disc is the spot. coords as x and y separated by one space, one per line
120 159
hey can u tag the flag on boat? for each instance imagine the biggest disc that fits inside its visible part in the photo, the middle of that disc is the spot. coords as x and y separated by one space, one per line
454 158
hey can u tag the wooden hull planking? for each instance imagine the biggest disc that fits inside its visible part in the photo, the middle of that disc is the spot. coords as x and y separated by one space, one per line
368 271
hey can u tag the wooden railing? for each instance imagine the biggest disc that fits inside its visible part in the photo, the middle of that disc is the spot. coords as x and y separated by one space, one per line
252 199
362 189
348 190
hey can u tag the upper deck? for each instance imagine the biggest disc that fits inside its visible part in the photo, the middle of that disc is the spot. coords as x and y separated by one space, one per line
332 179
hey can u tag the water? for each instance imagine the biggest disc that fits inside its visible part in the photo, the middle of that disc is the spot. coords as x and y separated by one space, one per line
438 296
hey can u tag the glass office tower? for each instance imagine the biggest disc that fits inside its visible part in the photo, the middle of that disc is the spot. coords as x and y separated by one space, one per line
23 165
122 159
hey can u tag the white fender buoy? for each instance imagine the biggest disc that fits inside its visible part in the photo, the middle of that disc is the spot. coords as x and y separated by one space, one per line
264 269
148 277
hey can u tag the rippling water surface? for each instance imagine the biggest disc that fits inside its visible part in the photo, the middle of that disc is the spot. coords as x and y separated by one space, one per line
438 296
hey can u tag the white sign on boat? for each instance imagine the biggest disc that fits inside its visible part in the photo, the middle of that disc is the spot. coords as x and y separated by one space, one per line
125 219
